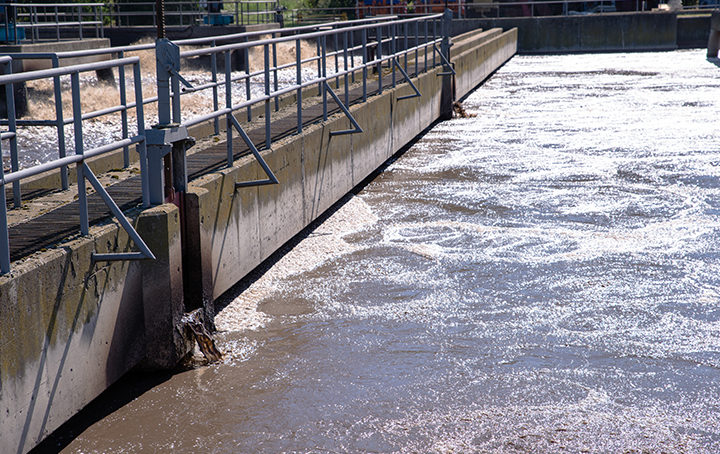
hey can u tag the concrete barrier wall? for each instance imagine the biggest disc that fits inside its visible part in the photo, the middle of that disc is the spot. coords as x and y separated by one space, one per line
587 33
69 327
474 64
235 230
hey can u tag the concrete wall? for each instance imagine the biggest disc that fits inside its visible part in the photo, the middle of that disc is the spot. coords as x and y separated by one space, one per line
693 31
69 327
233 231
588 33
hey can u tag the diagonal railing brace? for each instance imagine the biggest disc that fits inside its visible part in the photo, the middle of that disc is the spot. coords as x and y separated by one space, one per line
145 252
417 93
345 110
271 179
447 63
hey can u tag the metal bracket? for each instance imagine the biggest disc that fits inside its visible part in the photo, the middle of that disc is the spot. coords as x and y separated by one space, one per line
145 252
412 85
271 179
160 141
344 108
180 78
447 63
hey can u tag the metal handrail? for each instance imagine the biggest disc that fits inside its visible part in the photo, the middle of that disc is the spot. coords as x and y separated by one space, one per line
50 16
84 173
384 44
322 79
238 9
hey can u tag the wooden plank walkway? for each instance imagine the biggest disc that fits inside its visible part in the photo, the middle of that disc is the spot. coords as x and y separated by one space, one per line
56 225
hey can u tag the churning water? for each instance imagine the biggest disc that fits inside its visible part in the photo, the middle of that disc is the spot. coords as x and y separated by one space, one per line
542 277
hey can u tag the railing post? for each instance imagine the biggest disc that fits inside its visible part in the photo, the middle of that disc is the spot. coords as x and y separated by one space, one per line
406 27
364 60
352 56
141 147
345 68
266 59
298 81
60 122
336 52
246 57
417 43
393 49
426 38
319 64
79 10
77 128
123 113
57 24
275 73
324 77
213 65
228 105
379 57
4 233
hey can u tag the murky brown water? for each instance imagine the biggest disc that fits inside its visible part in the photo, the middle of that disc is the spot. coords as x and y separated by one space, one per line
540 278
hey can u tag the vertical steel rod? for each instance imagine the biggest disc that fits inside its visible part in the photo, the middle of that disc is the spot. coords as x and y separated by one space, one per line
4 232
142 146
417 43
228 104
345 68
60 122
12 126
378 38
266 52
393 49
364 60
426 47
275 73
123 112
57 27
298 81
213 66
319 65
248 95
337 66
176 109
405 41
434 35
324 77
352 56
77 124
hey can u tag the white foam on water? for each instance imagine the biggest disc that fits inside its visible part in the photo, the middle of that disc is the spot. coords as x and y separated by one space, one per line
325 243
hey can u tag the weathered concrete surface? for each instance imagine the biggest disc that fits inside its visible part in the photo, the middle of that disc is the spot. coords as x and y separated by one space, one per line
235 230
693 30
474 64
69 327
61 46
588 33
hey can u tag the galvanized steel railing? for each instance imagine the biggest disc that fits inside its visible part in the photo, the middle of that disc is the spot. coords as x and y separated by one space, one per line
400 47
81 155
23 21
55 59
208 12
